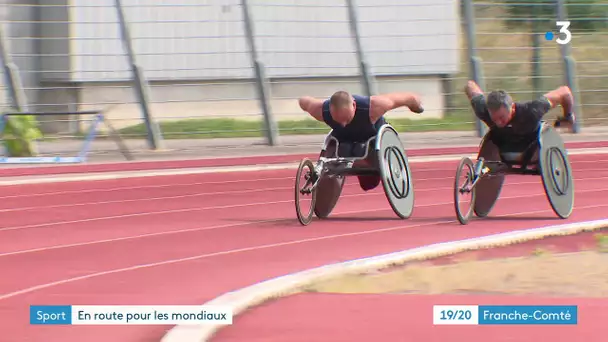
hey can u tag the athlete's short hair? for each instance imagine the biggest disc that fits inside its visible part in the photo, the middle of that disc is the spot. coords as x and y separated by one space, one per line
497 99
341 99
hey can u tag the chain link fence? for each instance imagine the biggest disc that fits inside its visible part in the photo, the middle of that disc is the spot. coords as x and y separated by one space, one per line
517 57
234 68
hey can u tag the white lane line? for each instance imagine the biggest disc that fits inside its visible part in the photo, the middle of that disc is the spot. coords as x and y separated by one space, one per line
164 197
247 249
236 225
247 168
228 192
183 210
230 181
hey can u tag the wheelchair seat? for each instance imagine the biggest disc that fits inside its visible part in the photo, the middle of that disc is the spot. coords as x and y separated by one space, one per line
518 149
512 157
352 149
348 149
524 157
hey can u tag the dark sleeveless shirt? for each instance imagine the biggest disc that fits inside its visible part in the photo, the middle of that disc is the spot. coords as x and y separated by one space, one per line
360 129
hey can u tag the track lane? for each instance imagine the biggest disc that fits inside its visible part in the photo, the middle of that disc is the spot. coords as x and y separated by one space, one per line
216 241
62 205
244 254
99 186
111 226
231 237
238 161
201 279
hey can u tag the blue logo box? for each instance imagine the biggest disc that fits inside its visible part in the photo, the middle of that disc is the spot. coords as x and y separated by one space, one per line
51 314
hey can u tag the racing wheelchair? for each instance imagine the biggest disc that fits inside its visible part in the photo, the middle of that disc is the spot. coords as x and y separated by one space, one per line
322 182
544 156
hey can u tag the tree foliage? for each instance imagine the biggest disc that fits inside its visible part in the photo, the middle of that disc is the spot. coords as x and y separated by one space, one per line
19 136
584 14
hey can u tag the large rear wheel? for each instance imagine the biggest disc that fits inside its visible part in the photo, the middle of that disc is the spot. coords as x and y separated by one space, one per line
305 194
556 171
395 173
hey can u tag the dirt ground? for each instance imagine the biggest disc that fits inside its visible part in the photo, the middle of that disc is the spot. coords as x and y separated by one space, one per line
541 269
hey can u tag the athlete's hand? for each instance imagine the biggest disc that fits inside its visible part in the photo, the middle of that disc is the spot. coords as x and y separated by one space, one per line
567 121
416 106
418 109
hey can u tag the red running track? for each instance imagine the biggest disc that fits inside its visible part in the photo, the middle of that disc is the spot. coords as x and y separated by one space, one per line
187 239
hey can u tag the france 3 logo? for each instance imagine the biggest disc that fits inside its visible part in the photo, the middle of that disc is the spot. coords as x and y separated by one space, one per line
564 30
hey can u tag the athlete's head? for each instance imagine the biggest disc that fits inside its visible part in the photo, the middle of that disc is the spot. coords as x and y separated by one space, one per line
501 107
342 107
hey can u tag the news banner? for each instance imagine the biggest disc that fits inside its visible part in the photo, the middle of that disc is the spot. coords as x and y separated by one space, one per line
196 314
129 315
505 315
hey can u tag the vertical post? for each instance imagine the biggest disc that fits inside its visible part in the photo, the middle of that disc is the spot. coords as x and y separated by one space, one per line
368 85
11 76
260 77
476 72
140 84
536 56
448 89
570 68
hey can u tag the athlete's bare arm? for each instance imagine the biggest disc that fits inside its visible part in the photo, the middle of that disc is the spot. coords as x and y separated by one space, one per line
561 96
313 106
472 90
478 103
380 104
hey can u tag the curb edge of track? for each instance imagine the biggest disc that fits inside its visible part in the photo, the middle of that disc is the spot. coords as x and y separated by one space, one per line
248 297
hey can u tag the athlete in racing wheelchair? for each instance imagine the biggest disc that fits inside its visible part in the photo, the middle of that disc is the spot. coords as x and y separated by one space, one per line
358 127
518 142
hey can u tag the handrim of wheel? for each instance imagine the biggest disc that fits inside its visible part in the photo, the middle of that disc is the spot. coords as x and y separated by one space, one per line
560 177
402 189
465 163
306 169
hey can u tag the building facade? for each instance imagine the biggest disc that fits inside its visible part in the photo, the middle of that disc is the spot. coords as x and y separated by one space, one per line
196 59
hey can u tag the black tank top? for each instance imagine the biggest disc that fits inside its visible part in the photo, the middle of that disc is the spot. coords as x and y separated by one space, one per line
360 129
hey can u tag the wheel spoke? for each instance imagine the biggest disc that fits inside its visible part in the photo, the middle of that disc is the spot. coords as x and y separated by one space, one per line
305 171
464 168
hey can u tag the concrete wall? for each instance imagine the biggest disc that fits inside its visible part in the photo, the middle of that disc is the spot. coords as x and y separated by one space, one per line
188 39
204 100
22 44
55 40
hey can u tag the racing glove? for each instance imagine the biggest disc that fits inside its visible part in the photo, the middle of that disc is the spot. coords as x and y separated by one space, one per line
567 120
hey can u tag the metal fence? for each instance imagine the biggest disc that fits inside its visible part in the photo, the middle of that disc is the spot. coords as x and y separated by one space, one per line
187 69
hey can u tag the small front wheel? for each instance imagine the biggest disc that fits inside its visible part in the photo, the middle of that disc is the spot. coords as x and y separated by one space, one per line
305 194
463 186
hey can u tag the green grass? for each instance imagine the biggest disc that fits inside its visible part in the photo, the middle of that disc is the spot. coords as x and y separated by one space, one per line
229 128
540 252
602 242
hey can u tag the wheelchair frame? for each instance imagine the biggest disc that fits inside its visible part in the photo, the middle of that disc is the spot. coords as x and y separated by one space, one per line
547 140
337 167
